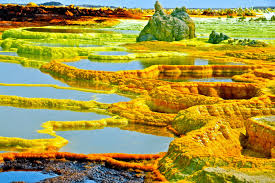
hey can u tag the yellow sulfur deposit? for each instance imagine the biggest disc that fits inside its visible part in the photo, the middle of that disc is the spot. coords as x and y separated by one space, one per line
223 131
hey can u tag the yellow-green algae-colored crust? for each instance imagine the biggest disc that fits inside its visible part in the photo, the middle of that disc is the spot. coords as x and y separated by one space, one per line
61 87
40 145
21 60
214 144
154 72
27 47
212 115
211 119
57 104
24 33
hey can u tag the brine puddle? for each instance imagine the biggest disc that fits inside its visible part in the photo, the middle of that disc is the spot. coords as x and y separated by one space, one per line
139 64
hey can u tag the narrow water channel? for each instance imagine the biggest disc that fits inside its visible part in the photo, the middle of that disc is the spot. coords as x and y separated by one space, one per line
139 64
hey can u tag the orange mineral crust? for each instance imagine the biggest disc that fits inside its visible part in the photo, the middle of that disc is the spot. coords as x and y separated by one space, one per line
33 12
223 131
138 112
214 145
148 78
261 135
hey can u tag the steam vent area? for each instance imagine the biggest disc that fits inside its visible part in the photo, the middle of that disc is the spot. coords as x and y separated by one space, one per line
117 95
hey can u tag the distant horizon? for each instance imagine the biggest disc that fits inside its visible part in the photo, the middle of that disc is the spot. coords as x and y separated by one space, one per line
149 4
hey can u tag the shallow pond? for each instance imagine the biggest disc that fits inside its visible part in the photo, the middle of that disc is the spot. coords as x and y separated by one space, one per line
112 53
50 92
24 123
24 176
8 53
211 80
106 66
15 73
66 30
109 140
66 45
110 65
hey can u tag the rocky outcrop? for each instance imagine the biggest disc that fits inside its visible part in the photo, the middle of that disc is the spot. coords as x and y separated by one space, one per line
212 139
214 174
216 38
163 27
261 134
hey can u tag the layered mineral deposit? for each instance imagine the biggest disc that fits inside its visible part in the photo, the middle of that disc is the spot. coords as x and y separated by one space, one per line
261 134
163 27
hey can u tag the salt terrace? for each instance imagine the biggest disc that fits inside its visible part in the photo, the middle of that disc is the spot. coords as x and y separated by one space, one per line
79 101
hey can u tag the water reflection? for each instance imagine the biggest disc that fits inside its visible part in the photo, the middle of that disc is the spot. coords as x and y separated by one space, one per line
15 73
112 53
44 58
24 176
66 45
8 53
183 61
24 123
153 130
110 140
50 92
106 66
85 84
117 65
67 30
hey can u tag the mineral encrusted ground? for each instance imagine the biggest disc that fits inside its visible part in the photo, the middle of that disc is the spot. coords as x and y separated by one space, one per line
218 138
73 171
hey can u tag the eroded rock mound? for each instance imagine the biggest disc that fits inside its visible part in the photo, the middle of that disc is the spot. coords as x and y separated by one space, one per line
163 27
216 38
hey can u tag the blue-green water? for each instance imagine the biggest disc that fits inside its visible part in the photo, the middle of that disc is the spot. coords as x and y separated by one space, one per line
66 45
50 92
110 65
24 123
24 176
106 66
8 53
217 79
109 140
199 61
66 30
15 73
112 53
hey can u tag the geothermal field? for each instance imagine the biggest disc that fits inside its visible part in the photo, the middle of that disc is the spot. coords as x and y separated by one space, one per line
121 95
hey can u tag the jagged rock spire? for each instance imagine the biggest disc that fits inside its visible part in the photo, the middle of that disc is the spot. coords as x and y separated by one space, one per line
158 6
164 27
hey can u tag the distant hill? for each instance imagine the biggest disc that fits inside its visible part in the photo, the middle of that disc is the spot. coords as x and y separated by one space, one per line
264 7
95 6
52 3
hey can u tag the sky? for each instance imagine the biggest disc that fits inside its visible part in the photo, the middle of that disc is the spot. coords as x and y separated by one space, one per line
165 3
